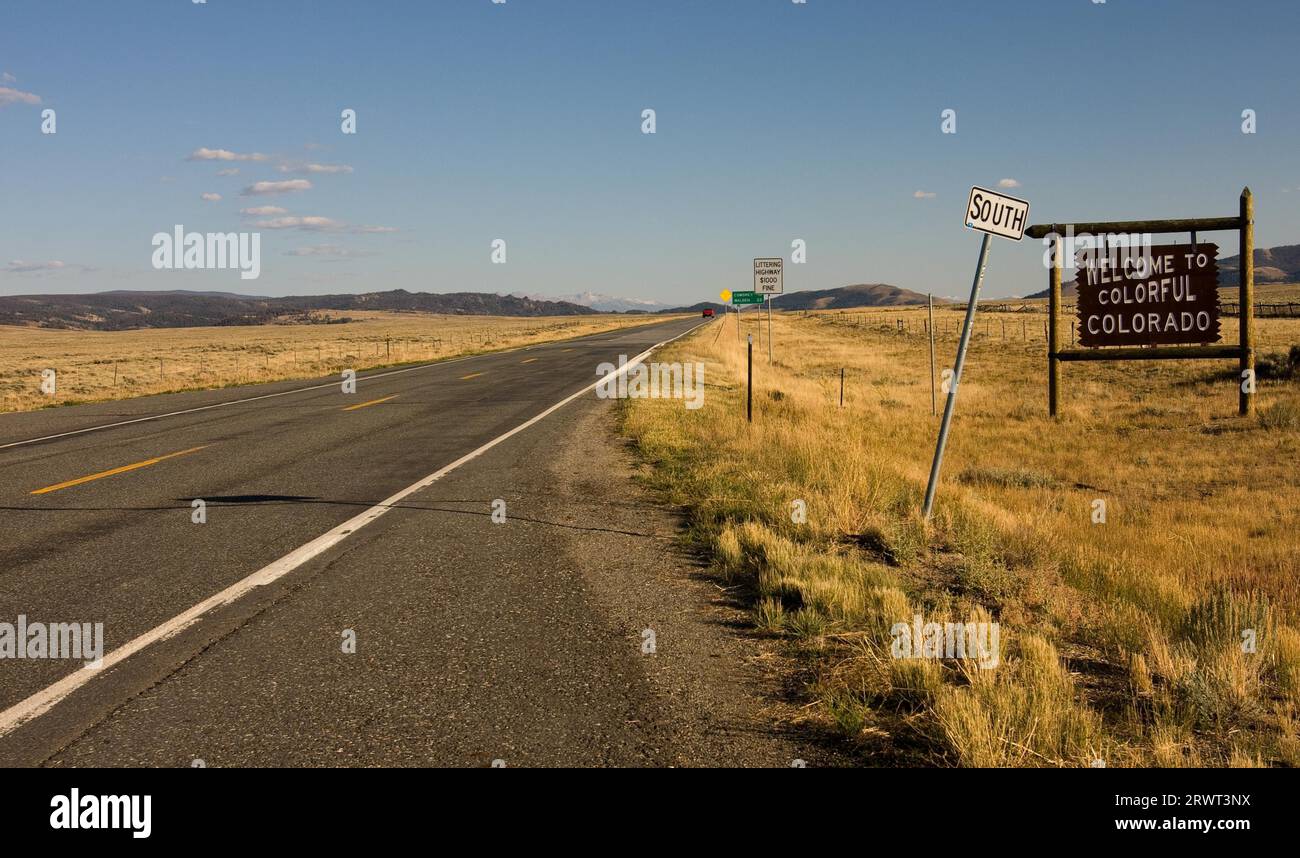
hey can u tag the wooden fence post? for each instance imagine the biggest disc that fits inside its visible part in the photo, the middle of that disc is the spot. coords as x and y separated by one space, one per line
1054 311
929 302
1246 318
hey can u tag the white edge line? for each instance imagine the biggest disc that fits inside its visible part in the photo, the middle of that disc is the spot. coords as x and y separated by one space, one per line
42 701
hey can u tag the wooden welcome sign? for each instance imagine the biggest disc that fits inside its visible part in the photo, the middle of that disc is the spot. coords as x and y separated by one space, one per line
1148 296
1153 303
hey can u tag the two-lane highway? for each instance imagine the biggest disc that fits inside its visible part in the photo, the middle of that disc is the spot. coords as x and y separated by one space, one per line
99 525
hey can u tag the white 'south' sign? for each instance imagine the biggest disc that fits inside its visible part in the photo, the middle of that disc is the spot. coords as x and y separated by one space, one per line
997 214
769 278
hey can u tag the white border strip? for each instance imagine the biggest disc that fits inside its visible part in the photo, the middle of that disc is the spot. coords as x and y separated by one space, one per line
42 701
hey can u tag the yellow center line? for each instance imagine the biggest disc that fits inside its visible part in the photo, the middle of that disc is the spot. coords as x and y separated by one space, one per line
471 375
371 402
530 360
122 470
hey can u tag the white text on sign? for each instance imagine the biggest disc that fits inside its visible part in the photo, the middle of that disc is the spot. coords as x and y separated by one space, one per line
997 214
768 276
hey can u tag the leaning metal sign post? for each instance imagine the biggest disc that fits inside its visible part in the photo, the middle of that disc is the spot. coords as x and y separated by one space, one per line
1156 303
769 280
992 214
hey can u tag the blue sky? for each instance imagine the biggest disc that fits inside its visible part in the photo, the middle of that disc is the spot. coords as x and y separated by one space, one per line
522 121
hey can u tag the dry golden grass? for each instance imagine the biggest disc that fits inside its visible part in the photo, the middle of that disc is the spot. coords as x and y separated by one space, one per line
1121 641
1266 293
93 365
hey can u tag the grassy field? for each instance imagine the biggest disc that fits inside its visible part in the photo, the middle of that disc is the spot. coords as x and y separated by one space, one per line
1266 293
1127 642
93 365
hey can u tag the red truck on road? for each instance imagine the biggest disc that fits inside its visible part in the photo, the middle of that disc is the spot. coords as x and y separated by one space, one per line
708 312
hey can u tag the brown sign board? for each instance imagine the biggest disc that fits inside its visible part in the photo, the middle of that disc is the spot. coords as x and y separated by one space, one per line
1145 296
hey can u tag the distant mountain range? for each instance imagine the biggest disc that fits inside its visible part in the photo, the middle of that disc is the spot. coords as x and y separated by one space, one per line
1272 265
124 310
857 295
605 303
115 311
840 298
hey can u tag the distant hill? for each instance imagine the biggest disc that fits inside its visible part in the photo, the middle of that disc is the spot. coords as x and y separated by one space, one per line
843 297
606 303
116 311
1272 265
1067 289
700 307
857 295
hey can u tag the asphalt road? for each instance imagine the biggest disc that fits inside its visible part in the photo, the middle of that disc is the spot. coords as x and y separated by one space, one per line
475 640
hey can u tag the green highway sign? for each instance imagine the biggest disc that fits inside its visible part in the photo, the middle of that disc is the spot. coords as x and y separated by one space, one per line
746 298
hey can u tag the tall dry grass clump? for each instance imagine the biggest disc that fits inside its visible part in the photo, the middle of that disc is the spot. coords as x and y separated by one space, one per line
1162 634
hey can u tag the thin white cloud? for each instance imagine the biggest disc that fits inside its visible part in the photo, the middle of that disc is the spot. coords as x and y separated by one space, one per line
311 223
314 168
1008 183
328 250
205 154
9 95
8 78
924 195
229 171
212 198
17 266
258 189
263 211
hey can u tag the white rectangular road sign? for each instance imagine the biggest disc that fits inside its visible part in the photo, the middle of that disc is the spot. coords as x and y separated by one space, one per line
997 214
768 276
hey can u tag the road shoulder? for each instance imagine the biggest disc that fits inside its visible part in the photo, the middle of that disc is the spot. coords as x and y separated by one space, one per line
716 684
521 641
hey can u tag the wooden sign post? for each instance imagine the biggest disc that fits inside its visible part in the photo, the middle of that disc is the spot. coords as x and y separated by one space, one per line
1158 303
934 401
749 382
